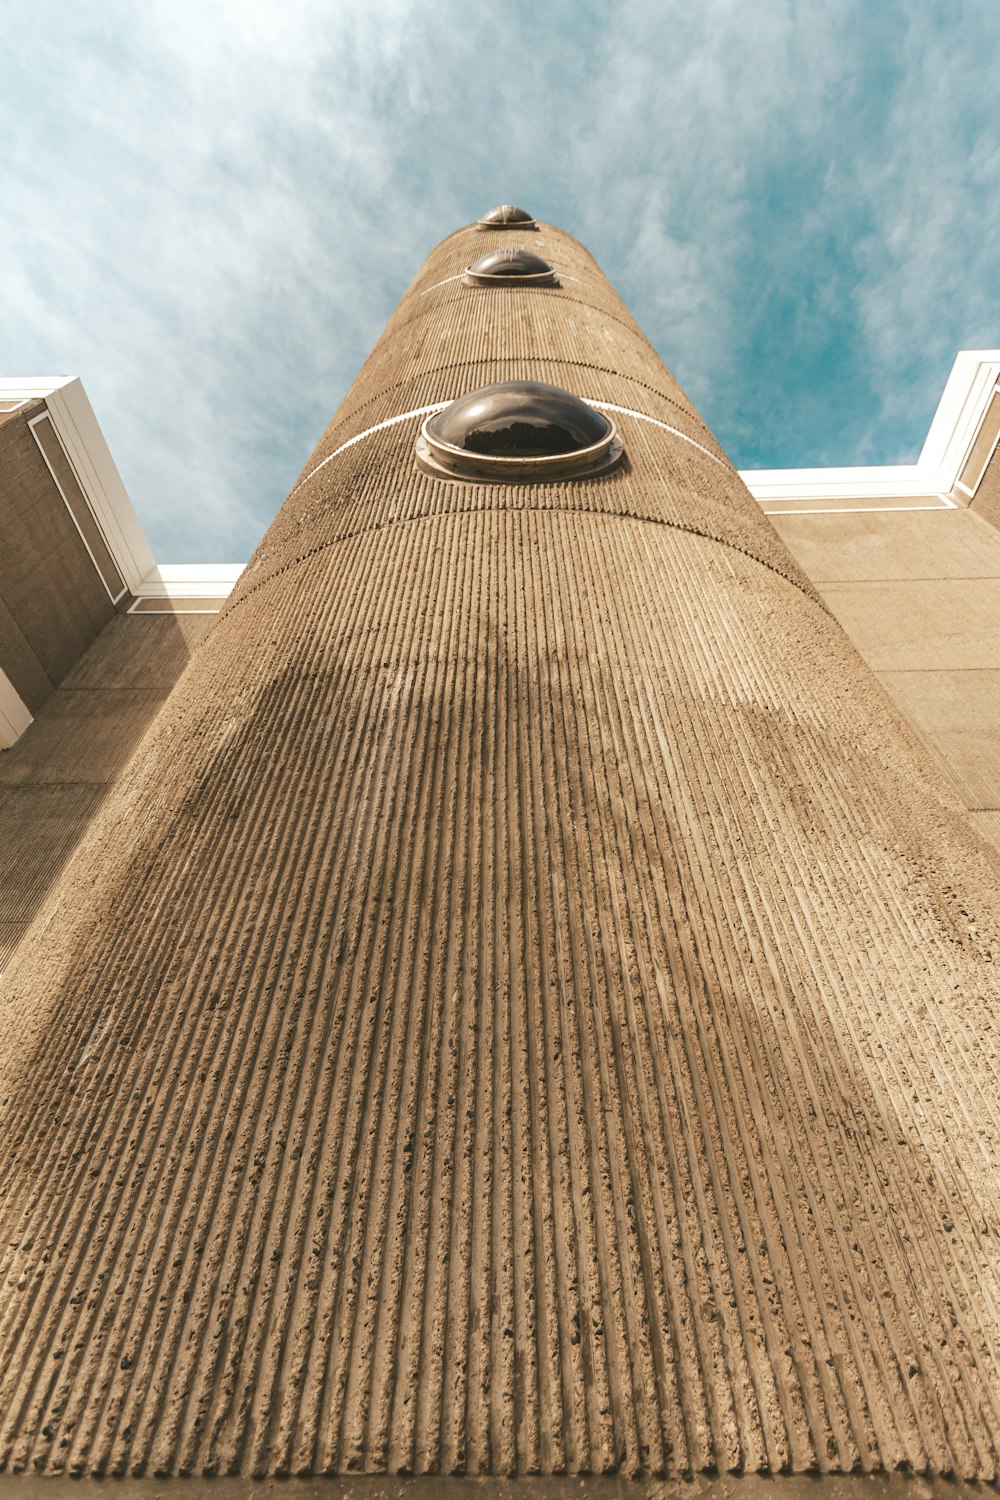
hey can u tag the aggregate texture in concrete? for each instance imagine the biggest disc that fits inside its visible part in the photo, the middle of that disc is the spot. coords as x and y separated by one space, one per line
540 1016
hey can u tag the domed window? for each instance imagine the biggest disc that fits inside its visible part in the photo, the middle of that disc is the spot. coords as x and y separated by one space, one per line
518 429
506 216
510 268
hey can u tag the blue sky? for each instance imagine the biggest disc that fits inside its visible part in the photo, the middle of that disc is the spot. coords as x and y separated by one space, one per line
209 210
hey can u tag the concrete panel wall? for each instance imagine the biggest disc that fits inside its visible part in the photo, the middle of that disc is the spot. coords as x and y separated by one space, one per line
53 603
986 502
919 595
57 775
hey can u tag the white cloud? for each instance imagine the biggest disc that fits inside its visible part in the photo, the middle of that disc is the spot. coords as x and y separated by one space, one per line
931 262
210 210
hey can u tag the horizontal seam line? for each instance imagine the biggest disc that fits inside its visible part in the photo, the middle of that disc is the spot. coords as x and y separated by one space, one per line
577 364
632 328
471 510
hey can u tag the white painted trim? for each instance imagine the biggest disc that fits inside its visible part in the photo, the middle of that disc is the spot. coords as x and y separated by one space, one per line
80 436
641 416
78 430
888 480
950 437
359 437
15 716
445 282
560 274
959 483
859 510
83 442
167 609
45 416
959 415
189 581
30 387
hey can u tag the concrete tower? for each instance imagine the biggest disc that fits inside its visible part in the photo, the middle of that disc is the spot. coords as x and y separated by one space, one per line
531 1003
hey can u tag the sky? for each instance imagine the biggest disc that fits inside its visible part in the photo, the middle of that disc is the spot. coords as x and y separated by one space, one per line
209 209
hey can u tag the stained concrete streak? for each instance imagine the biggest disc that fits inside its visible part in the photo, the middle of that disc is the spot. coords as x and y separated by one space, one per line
541 1015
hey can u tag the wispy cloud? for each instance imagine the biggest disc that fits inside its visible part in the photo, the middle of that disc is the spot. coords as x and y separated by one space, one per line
210 211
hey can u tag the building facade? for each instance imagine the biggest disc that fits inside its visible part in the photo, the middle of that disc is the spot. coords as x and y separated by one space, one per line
529 1004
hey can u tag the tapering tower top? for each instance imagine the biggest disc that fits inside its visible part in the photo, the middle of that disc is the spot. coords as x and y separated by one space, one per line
507 216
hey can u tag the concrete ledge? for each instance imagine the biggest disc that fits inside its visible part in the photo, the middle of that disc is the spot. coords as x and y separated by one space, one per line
527 1487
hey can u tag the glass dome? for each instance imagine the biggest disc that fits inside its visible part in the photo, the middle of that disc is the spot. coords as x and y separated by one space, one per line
507 216
518 429
515 267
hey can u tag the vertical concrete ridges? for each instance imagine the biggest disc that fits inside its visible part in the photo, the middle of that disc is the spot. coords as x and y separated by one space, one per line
664 479
541 1016
505 325
591 316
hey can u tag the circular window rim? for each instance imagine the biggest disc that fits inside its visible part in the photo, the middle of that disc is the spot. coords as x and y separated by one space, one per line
503 225
532 278
445 461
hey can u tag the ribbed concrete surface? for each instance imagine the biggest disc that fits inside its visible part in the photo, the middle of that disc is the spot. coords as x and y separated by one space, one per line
350 495
541 1016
